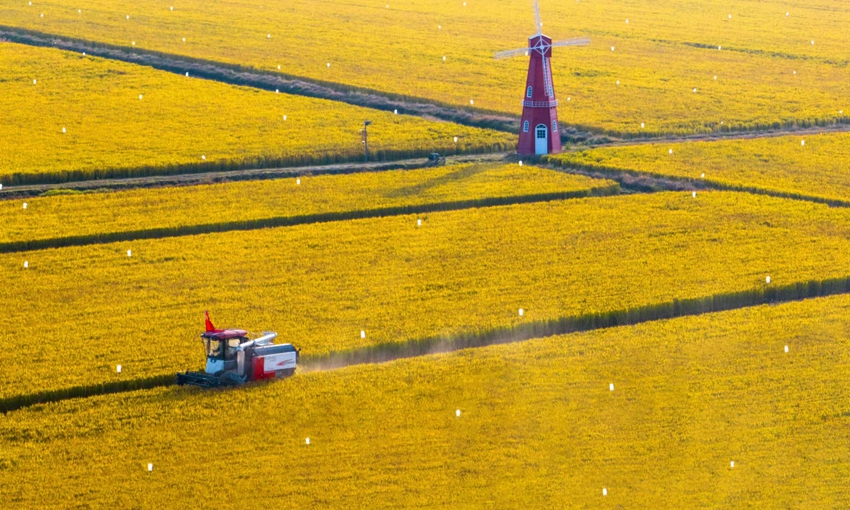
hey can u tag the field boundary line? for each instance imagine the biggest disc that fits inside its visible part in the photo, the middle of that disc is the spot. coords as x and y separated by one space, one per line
772 294
289 221
235 74
688 183
248 174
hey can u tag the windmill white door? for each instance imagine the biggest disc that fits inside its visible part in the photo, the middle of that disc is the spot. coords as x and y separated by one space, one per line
541 139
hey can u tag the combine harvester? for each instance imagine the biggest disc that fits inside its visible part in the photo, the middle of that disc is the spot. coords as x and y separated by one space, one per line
233 359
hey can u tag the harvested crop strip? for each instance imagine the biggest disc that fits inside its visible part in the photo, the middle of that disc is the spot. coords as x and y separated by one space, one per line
528 425
343 285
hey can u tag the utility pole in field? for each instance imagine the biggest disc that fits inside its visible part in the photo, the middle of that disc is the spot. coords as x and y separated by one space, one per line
366 139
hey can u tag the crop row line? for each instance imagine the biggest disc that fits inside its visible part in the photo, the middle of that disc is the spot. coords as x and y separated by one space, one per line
288 221
522 332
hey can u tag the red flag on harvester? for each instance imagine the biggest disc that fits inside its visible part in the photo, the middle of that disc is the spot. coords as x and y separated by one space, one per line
210 327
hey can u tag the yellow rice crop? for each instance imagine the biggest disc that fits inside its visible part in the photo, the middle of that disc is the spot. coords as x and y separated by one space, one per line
809 166
121 119
182 209
772 69
466 271
538 427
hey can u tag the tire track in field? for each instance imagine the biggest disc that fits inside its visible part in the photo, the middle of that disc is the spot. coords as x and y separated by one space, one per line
384 353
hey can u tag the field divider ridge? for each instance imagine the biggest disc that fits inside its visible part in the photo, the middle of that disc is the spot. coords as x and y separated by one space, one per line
248 76
289 221
386 352
666 182
235 74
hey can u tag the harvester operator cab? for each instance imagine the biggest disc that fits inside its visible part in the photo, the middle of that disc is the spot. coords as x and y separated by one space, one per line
221 347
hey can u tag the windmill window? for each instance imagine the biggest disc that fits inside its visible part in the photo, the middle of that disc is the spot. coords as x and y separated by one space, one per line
525 127
528 92
555 126
541 131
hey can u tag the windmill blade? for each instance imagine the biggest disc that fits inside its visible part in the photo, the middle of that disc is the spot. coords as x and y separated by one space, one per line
537 17
583 41
512 53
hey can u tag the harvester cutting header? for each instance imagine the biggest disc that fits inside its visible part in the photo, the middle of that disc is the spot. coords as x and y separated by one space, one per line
234 359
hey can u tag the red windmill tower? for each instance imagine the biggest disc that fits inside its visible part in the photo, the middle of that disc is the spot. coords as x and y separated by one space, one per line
539 132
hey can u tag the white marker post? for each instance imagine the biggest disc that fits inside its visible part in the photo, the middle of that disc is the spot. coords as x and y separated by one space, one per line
732 464
25 205
457 413
363 334
118 369
786 348
694 194
26 264
298 182
604 491
307 441
419 223
129 253
767 280
611 387
521 312
150 467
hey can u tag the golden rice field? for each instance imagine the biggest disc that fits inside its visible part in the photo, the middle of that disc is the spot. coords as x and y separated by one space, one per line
814 166
465 271
756 69
69 117
538 427
99 216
